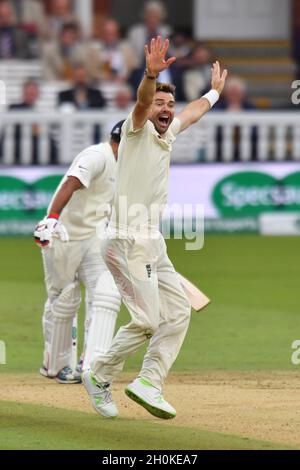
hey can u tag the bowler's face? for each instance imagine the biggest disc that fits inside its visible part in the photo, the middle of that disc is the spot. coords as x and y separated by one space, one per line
162 111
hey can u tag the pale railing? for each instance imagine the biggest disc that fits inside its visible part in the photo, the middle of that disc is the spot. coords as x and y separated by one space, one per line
276 136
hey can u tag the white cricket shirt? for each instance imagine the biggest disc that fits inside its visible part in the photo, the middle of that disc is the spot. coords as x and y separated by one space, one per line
89 207
142 176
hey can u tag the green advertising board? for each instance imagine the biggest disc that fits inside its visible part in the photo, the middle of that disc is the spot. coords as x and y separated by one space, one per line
23 204
252 193
234 200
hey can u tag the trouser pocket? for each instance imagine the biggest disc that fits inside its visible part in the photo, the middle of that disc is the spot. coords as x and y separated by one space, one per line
142 258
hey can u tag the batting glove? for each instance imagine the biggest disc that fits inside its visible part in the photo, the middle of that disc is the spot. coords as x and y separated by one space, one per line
50 227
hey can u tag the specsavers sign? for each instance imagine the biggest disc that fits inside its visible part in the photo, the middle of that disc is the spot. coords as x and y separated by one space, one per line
237 190
23 200
234 196
252 193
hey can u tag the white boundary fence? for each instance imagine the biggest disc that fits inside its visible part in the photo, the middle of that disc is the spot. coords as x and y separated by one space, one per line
277 135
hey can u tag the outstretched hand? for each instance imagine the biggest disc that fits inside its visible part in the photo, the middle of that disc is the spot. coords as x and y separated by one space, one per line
218 80
156 56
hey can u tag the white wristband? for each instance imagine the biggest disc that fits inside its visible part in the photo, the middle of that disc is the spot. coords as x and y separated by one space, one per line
212 96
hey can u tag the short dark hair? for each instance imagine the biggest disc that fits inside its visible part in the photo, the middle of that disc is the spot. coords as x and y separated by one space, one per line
166 88
71 26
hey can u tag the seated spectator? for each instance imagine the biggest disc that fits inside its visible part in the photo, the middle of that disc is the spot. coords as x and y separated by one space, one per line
235 96
122 104
31 93
60 56
235 100
115 59
82 96
197 77
181 48
30 14
61 13
123 98
141 34
13 40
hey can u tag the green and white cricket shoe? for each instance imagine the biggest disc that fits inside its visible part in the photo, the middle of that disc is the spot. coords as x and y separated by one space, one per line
143 393
100 395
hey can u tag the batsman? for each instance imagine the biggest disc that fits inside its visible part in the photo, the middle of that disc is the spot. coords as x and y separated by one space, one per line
135 251
70 239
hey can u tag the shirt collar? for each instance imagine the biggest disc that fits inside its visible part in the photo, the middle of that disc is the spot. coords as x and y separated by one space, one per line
167 138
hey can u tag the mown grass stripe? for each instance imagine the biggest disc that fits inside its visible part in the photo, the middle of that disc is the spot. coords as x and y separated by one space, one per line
33 427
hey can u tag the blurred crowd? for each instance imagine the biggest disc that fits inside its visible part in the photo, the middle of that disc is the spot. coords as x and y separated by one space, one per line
108 56
26 32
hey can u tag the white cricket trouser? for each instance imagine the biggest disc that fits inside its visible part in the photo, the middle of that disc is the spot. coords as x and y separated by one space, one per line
159 309
66 262
63 264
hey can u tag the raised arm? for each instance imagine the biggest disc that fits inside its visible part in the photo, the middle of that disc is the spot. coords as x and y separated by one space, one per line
196 109
155 63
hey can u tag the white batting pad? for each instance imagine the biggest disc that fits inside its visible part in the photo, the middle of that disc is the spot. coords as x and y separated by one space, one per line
58 322
106 306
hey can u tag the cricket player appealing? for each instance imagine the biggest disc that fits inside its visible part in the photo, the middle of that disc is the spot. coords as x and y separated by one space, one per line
135 251
70 240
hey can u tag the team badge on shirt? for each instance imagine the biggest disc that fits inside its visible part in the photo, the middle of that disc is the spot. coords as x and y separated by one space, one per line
148 268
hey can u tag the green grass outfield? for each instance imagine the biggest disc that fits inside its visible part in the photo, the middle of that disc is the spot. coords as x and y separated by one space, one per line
253 319
47 428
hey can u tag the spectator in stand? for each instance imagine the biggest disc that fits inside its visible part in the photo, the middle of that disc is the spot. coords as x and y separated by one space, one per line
197 77
62 12
31 93
60 56
30 16
82 96
141 34
13 40
181 48
235 96
115 59
122 104
235 100
123 98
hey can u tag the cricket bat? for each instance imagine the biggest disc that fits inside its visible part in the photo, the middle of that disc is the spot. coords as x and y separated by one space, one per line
196 297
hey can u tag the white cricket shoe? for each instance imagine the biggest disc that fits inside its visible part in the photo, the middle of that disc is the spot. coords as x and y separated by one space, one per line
143 392
100 395
44 372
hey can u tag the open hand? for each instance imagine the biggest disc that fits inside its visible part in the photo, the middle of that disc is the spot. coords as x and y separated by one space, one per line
156 56
218 80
